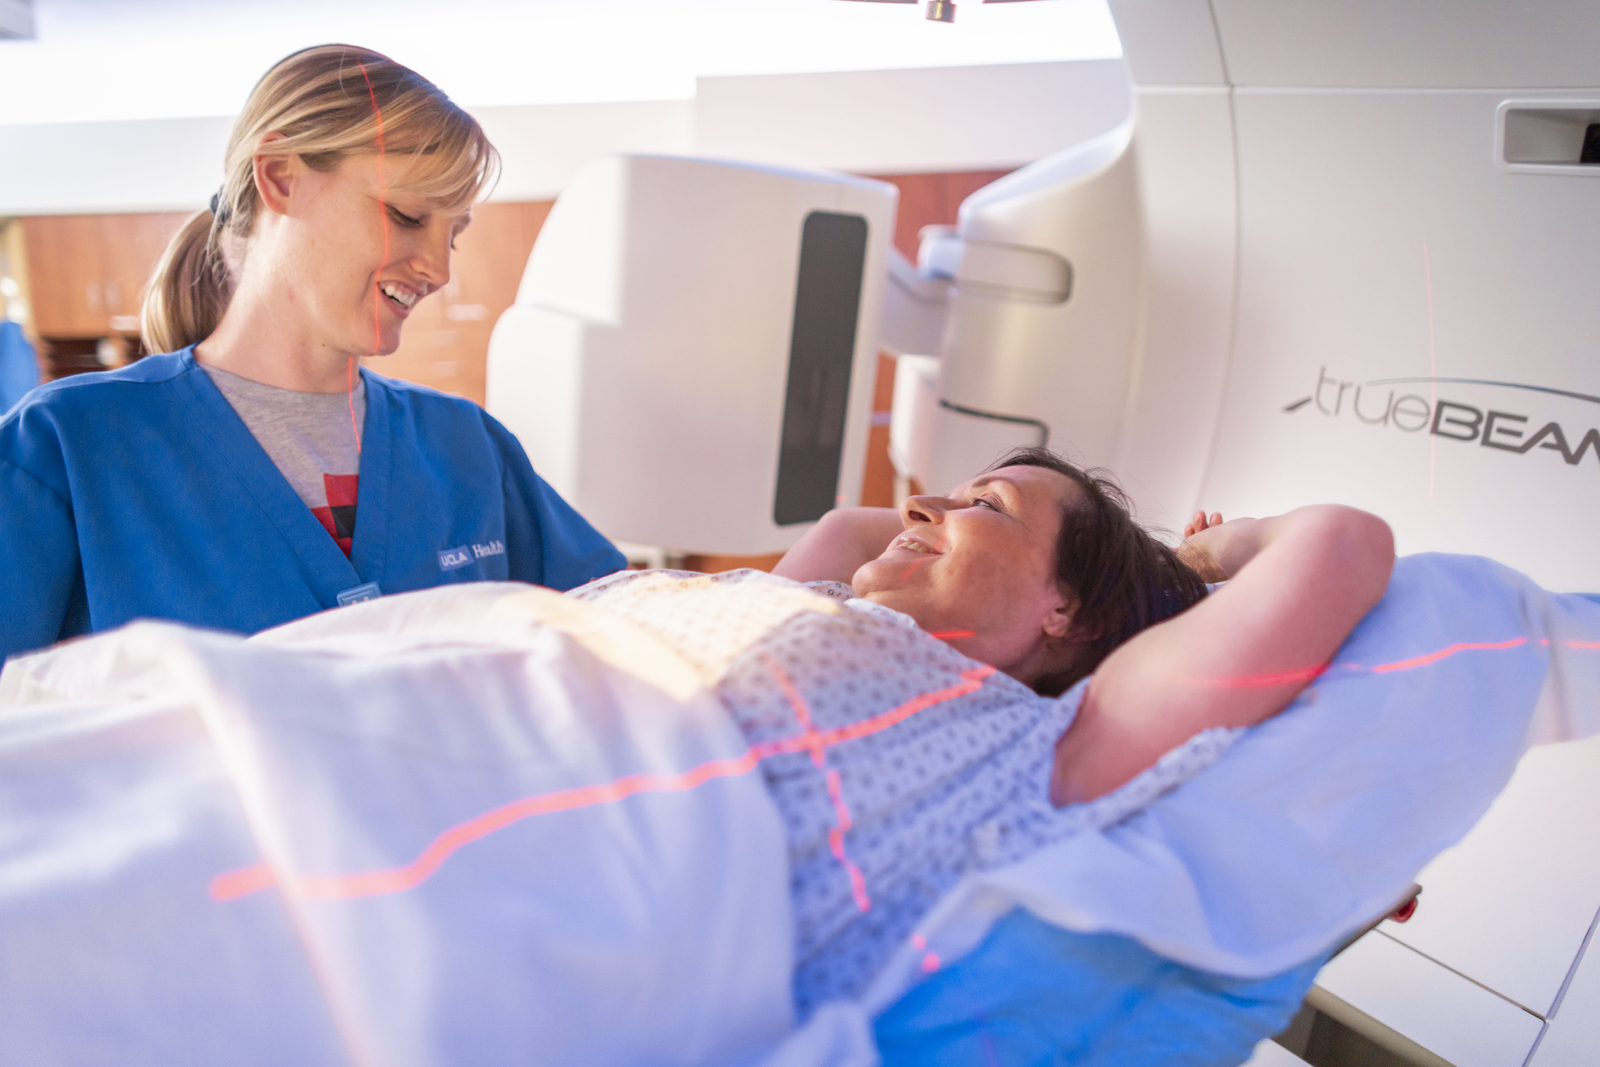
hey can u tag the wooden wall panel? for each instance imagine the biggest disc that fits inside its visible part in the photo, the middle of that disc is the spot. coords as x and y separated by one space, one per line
132 246
64 266
445 344
88 270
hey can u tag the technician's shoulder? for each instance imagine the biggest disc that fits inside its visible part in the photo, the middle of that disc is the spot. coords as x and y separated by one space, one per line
418 403
86 391
444 417
83 406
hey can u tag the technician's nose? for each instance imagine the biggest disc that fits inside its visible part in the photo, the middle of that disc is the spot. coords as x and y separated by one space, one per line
432 263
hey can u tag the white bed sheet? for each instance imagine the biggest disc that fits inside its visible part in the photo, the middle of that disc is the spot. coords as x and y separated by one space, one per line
137 766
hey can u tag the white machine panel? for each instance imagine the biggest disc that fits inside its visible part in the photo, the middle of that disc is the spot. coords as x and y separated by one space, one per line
1040 319
1572 1038
1428 44
1511 905
693 336
1403 295
1441 1011
1188 204
1373 222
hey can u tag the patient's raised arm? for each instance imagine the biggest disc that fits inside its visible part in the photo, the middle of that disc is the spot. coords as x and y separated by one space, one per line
841 541
1299 584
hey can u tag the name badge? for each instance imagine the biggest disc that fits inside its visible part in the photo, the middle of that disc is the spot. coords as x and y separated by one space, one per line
360 594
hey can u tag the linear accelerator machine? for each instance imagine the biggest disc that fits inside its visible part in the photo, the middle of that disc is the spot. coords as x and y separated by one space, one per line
1329 252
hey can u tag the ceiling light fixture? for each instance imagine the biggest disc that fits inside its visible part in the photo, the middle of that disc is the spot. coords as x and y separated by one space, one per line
940 10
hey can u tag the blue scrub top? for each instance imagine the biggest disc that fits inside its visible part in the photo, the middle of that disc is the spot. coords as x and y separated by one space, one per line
140 493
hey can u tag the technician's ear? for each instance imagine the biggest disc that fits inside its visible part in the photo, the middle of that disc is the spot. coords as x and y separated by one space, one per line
276 177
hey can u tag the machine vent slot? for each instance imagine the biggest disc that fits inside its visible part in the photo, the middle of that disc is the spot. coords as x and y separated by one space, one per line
827 305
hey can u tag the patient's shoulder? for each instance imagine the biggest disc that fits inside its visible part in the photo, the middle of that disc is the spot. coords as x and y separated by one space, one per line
831 589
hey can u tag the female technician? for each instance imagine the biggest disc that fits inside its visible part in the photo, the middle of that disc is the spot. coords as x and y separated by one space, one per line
255 473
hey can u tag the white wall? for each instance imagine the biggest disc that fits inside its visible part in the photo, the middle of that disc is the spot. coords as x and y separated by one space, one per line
910 121
542 145
898 121
106 167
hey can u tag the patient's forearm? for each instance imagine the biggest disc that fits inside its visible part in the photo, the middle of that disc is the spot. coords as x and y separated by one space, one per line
1238 656
841 541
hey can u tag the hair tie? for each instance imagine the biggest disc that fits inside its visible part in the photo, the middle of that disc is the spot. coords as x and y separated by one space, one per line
219 208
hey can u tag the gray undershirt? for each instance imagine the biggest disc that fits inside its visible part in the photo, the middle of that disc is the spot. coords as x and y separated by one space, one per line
310 437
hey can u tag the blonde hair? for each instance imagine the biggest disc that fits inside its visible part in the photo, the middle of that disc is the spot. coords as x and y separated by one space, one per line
328 103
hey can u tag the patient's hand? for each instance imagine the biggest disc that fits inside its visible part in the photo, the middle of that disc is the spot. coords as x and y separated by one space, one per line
1194 549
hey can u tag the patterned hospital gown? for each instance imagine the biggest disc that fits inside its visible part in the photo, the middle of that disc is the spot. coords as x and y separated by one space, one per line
911 767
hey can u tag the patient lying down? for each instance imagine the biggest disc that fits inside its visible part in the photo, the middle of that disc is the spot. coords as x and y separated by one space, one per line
501 820
1037 569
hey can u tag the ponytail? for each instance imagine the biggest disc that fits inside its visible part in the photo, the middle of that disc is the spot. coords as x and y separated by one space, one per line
188 291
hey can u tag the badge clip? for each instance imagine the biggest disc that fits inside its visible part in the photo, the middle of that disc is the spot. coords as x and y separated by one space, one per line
360 594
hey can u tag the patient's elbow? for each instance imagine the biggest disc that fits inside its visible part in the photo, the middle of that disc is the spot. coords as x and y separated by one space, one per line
1359 546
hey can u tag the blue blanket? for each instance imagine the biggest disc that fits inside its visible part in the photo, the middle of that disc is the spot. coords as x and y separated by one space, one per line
1034 993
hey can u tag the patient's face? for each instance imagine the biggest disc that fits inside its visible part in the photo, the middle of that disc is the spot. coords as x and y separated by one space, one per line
981 562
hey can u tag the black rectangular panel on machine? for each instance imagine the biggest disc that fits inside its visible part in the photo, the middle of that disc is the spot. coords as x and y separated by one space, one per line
827 306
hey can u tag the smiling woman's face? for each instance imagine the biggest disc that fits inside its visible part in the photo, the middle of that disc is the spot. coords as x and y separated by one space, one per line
355 249
978 567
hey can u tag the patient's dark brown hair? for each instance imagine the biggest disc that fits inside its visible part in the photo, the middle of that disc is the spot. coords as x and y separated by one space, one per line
1122 578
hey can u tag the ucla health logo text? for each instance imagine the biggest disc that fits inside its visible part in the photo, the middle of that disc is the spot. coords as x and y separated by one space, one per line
1518 428
451 558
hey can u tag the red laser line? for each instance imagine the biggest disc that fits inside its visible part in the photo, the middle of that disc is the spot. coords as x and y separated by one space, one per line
858 881
930 960
1434 657
1263 681
802 711
232 885
841 812
1308 673
951 635
383 214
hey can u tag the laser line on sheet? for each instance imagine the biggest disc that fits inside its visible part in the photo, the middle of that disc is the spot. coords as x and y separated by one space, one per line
819 757
1306 674
930 960
233 885
1443 653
